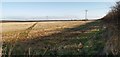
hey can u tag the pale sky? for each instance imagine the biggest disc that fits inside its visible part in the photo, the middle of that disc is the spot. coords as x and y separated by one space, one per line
59 0
55 8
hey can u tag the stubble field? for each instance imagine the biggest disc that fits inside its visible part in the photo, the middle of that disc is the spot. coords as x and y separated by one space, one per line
52 38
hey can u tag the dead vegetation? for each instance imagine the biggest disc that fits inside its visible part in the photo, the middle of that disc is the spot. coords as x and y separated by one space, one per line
112 24
75 39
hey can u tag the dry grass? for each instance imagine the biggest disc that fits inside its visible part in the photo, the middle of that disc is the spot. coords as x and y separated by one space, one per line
15 26
12 29
51 38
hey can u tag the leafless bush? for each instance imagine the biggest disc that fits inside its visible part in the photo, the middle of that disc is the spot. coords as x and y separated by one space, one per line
112 22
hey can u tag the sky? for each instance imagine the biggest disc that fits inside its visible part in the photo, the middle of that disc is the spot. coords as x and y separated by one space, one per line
24 9
59 0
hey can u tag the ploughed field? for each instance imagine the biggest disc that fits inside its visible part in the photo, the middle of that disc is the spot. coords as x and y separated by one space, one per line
52 38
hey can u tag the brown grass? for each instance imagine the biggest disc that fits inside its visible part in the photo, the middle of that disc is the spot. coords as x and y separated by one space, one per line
12 30
61 37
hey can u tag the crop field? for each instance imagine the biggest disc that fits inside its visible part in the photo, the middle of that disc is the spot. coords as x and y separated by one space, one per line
52 38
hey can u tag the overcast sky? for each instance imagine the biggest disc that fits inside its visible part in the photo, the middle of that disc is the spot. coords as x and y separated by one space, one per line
55 8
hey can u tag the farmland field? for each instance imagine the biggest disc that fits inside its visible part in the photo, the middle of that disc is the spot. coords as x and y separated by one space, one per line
52 38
